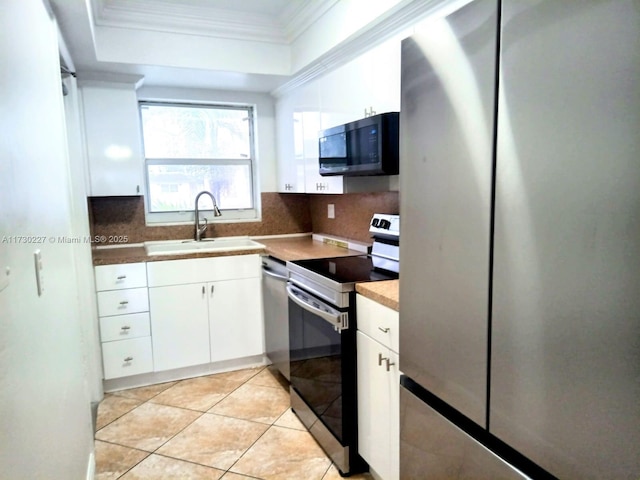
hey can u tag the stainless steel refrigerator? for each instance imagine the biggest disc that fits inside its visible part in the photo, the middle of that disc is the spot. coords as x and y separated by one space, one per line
520 206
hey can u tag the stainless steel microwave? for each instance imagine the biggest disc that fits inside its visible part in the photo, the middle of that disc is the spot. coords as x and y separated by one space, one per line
365 147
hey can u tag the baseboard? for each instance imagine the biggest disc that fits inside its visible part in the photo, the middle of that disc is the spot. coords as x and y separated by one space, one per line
145 379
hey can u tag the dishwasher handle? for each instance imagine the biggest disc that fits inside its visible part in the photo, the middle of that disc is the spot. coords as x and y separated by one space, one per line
339 320
272 274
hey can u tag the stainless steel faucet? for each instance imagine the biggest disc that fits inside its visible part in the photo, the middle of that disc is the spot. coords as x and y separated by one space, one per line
216 213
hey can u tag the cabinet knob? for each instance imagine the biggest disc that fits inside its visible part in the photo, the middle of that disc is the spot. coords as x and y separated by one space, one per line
128 359
137 188
212 287
384 330
203 290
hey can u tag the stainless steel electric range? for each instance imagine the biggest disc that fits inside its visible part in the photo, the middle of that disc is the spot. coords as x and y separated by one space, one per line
322 340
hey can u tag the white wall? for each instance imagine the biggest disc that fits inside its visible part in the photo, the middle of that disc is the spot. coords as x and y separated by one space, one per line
88 308
265 113
45 421
146 47
337 24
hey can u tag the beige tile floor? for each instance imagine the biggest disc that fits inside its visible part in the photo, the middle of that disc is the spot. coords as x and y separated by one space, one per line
230 426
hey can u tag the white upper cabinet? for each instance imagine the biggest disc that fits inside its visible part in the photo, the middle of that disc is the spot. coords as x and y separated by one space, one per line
113 140
290 144
369 83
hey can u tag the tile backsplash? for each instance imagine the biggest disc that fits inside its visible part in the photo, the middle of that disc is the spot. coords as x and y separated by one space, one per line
353 212
281 214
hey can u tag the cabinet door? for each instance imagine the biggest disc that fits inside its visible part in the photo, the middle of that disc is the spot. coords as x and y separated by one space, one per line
113 140
179 326
378 407
235 316
289 146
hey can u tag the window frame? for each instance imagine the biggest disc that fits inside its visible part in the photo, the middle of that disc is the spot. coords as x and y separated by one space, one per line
188 216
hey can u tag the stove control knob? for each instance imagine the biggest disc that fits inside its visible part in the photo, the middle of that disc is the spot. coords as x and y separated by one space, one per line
384 224
375 222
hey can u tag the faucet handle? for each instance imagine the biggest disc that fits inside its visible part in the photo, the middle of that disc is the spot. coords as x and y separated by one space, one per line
204 227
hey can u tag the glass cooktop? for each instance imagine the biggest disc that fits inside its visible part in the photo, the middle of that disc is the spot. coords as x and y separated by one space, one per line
347 269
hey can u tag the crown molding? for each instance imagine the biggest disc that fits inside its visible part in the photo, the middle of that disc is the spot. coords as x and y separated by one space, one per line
195 18
398 19
299 16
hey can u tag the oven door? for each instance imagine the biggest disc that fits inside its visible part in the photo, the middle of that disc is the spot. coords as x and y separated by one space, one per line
322 359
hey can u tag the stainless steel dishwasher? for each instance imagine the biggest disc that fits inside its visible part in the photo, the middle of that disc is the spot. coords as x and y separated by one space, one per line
276 313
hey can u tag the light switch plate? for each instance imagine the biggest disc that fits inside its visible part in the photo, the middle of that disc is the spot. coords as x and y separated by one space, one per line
37 257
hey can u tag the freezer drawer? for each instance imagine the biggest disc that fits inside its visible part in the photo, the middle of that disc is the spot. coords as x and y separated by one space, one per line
431 447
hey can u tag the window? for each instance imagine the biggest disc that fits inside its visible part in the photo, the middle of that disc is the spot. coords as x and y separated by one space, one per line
191 148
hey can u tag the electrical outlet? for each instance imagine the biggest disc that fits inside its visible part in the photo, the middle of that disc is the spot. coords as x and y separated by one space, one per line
331 211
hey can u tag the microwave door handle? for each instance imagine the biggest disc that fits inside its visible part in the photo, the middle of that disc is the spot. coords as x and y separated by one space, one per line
271 274
337 320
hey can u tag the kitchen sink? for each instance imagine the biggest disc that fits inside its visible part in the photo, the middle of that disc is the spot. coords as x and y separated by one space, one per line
182 247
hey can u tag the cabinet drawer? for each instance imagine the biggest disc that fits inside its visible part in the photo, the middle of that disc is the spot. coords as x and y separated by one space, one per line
198 270
378 321
119 302
122 327
127 357
116 277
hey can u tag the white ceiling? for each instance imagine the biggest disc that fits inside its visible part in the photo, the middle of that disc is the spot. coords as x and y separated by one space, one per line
251 45
259 22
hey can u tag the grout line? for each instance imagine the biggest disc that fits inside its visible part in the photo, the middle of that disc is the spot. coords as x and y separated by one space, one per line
201 413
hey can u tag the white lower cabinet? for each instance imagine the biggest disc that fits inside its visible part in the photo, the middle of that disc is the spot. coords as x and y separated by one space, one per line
378 389
127 357
123 308
180 325
216 316
192 312
235 319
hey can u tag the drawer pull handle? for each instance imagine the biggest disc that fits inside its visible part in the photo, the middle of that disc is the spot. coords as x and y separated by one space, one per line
212 289
384 330
125 328
121 277
124 302
381 359
128 359
203 289
389 364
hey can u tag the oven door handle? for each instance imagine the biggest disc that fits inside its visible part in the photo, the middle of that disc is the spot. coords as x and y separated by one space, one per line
272 274
339 320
